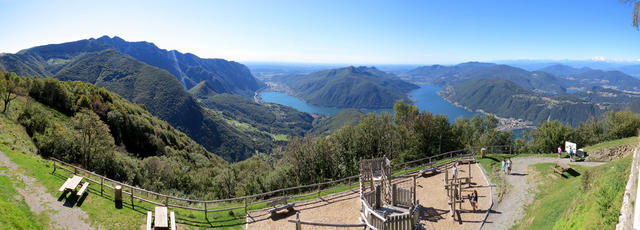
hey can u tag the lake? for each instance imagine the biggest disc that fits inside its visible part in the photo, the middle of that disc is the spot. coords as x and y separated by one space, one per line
426 97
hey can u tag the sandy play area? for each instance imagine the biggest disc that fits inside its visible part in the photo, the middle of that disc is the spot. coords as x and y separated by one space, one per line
345 207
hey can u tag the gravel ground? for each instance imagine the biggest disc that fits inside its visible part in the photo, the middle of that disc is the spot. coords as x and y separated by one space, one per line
506 213
35 195
433 197
345 207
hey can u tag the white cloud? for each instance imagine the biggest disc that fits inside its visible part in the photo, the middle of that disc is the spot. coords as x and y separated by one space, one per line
600 58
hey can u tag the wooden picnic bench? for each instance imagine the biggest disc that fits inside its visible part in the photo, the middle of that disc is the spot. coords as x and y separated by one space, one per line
467 159
560 167
72 184
161 219
430 169
280 200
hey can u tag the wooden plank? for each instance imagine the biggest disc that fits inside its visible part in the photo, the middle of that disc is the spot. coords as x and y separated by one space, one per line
84 187
149 220
75 181
556 170
173 221
562 165
65 185
161 218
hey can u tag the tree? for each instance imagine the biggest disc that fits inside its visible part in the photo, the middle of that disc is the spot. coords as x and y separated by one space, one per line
93 135
636 6
9 89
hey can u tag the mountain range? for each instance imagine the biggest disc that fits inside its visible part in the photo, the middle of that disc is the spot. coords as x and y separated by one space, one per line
506 99
349 87
99 61
449 75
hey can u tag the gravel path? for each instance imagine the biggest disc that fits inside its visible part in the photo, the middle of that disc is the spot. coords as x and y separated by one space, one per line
506 213
35 195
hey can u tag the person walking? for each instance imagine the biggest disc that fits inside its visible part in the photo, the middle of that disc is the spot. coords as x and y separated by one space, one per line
570 154
509 166
454 170
504 166
559 152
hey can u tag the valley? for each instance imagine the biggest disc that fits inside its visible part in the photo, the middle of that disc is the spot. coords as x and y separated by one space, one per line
319 115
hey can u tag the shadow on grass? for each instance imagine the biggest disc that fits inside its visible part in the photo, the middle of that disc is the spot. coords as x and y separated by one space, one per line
573 173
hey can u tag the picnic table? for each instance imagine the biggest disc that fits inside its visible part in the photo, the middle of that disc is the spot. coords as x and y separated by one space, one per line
560 167
161 219
280 203
72 184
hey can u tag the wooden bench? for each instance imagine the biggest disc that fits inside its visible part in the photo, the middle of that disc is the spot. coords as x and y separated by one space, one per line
173 221
430 169
84 187
280 200
560 167
467 159
149 220
556 170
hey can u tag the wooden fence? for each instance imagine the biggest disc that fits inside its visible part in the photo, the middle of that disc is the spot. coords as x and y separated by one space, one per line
236 203
402 197
377 221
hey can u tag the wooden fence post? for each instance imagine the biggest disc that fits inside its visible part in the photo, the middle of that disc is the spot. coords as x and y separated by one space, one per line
298 225
394 197
205 211
318 190
54 167
75 170
166 202
245 205
101 183
414 189
132 206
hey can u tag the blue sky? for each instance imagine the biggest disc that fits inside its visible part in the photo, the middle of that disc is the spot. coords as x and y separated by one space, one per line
349 32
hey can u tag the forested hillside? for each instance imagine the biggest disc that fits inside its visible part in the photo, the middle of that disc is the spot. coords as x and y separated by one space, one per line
350 87
163 94
506 99
277 121
450 75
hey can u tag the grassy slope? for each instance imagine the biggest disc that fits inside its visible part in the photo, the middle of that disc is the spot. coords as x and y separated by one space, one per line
590 199
14 212
16 144
608 144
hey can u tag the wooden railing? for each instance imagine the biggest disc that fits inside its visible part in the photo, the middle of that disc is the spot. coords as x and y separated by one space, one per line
402 197
377 221
242 202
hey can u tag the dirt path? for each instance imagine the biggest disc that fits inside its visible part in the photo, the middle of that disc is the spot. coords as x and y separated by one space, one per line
511 209
35 195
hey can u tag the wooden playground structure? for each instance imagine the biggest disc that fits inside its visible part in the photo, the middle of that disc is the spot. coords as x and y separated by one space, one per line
453 185
385 206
